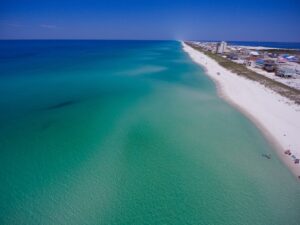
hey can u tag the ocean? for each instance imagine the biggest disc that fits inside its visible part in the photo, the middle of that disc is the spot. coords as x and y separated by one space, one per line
129 132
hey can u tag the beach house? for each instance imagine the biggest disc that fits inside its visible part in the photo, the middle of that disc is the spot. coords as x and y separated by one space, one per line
287 70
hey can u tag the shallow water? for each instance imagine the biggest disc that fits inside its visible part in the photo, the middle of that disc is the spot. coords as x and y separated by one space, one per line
124 132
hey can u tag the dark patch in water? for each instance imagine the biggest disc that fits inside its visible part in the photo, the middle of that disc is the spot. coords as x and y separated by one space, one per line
61 105
267 156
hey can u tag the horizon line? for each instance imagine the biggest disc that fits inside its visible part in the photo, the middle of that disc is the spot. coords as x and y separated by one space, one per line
114 39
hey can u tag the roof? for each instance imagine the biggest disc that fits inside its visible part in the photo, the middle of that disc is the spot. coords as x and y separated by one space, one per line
254 53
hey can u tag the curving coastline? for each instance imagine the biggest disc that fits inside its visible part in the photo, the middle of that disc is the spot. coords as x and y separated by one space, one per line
277 116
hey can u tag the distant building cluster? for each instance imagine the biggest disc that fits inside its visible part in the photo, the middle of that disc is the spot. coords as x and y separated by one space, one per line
283 63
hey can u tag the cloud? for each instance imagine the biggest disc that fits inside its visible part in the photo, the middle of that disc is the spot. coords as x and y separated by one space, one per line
48 26
11 24
18 25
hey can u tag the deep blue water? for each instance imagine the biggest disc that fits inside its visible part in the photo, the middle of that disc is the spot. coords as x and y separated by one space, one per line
287 45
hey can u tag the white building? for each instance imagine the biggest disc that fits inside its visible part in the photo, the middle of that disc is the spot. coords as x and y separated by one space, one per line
288 70
221 47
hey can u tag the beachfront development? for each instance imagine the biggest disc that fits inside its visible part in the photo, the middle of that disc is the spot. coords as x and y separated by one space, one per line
252 80
281 65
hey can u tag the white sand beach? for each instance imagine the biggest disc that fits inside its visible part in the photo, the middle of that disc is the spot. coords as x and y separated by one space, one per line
275 115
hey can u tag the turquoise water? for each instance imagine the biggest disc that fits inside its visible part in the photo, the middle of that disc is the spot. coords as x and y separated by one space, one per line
119 132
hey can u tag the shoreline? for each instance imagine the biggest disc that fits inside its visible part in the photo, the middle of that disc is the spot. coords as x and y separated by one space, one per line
277 117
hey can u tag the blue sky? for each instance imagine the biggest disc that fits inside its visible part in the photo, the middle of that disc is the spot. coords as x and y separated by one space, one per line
246 20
